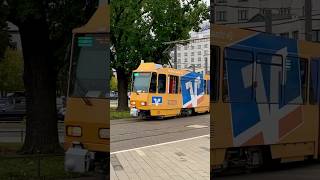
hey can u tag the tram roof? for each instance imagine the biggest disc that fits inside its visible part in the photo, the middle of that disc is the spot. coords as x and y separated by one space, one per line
98 23
153 67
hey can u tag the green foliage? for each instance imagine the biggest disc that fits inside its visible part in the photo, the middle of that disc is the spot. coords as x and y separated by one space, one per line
3 29
113 84
61 17
139 28
11 71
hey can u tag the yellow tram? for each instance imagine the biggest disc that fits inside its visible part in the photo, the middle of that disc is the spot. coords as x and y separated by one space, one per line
159 91
87 126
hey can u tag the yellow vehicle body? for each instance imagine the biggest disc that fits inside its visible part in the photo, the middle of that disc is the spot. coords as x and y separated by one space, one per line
246 118
172 99
87 116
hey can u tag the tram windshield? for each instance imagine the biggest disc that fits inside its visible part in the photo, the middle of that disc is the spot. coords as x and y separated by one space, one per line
141 82
89 68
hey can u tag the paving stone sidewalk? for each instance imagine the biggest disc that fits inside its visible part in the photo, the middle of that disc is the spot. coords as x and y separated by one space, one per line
183 160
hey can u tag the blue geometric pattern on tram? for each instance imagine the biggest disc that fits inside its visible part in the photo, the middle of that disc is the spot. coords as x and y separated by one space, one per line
244 109
191 77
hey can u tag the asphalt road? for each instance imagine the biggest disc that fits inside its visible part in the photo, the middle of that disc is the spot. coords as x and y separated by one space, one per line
134 133
290 171
15 132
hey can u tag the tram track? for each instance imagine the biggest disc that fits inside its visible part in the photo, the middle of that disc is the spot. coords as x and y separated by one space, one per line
126 135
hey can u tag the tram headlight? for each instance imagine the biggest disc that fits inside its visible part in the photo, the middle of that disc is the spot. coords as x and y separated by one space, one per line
133 103
75 131
143 103
104 133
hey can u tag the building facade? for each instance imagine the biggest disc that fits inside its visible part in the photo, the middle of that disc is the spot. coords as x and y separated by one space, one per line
194 53
288 16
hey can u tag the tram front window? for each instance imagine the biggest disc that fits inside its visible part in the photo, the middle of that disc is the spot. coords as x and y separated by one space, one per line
89 76
141 82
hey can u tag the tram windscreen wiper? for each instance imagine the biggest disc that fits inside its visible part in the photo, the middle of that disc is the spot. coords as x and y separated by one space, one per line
84 90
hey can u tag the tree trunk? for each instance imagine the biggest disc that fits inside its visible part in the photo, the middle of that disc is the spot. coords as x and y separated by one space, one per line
40 87
122 90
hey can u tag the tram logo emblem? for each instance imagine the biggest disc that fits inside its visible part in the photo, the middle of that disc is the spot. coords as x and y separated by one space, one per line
156 100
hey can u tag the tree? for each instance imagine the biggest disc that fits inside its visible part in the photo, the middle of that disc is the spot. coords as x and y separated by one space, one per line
45 29
3 29
11 71
113 84
140 28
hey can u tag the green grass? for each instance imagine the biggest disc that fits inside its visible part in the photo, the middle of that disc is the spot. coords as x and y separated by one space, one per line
28 168
17 167
114 114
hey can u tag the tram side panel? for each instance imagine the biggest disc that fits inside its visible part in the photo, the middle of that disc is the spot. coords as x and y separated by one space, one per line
193 93
279 121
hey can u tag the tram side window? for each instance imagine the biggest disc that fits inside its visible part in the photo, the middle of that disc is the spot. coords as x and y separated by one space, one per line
269 78
313 81
173 85
214 72
304 78
153 83
238 75
205 87
162 83
293 82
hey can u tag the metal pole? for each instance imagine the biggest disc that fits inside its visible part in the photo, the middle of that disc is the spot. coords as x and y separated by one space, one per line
268 21
308 20
175 57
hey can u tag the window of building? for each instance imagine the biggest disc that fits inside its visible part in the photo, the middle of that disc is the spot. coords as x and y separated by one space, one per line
173 85
192 47
179 66
185 54
179 48
162 83
199 52
199 46
316 35
185 60
192 59
242 15
295 34
186 66
221 16
185 47
205 52
179 61
206 46
192 53
179 54
199 59
284 11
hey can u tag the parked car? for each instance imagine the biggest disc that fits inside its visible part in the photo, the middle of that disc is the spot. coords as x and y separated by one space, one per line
6 105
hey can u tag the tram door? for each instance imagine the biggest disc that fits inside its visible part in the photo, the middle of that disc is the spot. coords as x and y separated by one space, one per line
314 90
